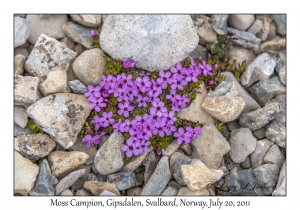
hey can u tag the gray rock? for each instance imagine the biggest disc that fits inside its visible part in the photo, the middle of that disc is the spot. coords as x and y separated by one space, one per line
170 191
135 191
272 46
174 184
101 178
233 125
22 30
261 150
21 131
177 156
68 180
274 156
241 54
19 64
282 75
219 23
92 177
173 146
260 117
280 22
79 49
70 73
265 90
135 162
20 116
26 90
264 31
241 22
177 170
187 149
210 147
66 192
199 52
267 176
96 187
107 193
87 20
77 87
272 32
150 163
245 39
185 191
79 183
280 59
159 179
61 115
260 133
80 146
276 132
148 42
255 27
83 192
203 26
248 182
49 25
67 42
110 157
48 55
34 146
281 183
224 103
281 99
246 164
124 181
232 183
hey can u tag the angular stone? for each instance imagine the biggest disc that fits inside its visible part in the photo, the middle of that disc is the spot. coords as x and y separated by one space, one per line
135 191
198 52
83 192
173 146
151 40
185 191
267 176
34 146
68 180
87 20
62 163
280 22
25 174
203 26
80 146
187 149
124 181
107 193
224 103
274 156
282 75
159 179
150 162
48 55
20 117
259 153
66 192
260 133
26 90
19 64
170 191
272 46
61 115
22 30
210 147
21 131
110 157
245 39
219 23
260 117
246 164
232 183
77 87
135 162
49 25
272 32
240 54
177 156
281 99
79 183
96 187
241 22
264 31
177 170
276 132
248 183
280 189
255 27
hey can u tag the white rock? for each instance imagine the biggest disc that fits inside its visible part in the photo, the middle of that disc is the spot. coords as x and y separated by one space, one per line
22 31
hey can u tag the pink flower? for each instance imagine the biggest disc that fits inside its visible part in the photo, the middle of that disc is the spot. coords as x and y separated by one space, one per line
128 64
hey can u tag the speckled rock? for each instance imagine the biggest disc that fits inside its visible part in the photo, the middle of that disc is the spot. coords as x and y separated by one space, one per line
272 46
274 156
276 132
255 27
148 42
135 162
241 22
61 115
259 153
34 146
22 29
280 22
203 26
87 20
185 191
281 183
124 181
19 64
245 39
77 86
96 187
219 23
20 117
68 180
80 146
281 99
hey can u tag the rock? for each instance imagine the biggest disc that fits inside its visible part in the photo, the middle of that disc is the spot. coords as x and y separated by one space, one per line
135 191
80 146
70 73
177 156
272 46
276 132
281 183
280 22
255 27
170 191
241 54
267 176
26 90
198 52
92 177
259 153
149 42
107 193
135 162
245 39
194 112
282 75
61 115
281 99
87 20
186 148
272 32
260 133
79 34
233 125
264 31
96 187
89 66
210 146
159 179
280 59
62 163
250 103
48 55
248 182
22 30
45 181
83 192
260 117
246 164
21 131
19 64
219 23
174 184
20 116
265 90
261 68
25 173
49 25
185 191
67 43
274 156
34 146
79 183
177 170
223 167
22 51
124 181
68 180
203 26
241 22
67 192
150 162
173 146
101 178
79 49
110 158
77 87
224 103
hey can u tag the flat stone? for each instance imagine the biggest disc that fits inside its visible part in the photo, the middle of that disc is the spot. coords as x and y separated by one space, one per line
241 22
219 23
80 146
259 153
203 26
187 149
135 162
48 55
198 52
281 99
245 39
224 103
260 133
135 191
89 66
247 182
170 191
151 40
62 163
280 189
25 174
66 192
240 54
110 157
77 87
21 131
274 156
159 179
246 164
20 116
107 193
194 112
173 146
185 191
61 115
87 20
96 187
210 146
177 170
280 22
124 181
260 117
26 90
177 156
255 27
68 180
83 192
150 163
264 31
276 132
272 46
22 29
67 42
19 64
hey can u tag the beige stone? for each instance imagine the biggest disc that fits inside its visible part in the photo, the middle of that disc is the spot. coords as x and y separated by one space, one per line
96 187
19 64
135 162
87 20
185 191
272 46
173 146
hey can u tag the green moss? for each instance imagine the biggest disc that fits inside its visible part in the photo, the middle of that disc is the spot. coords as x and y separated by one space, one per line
32 126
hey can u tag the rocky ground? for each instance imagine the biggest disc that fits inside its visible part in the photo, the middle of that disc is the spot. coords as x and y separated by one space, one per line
55 61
